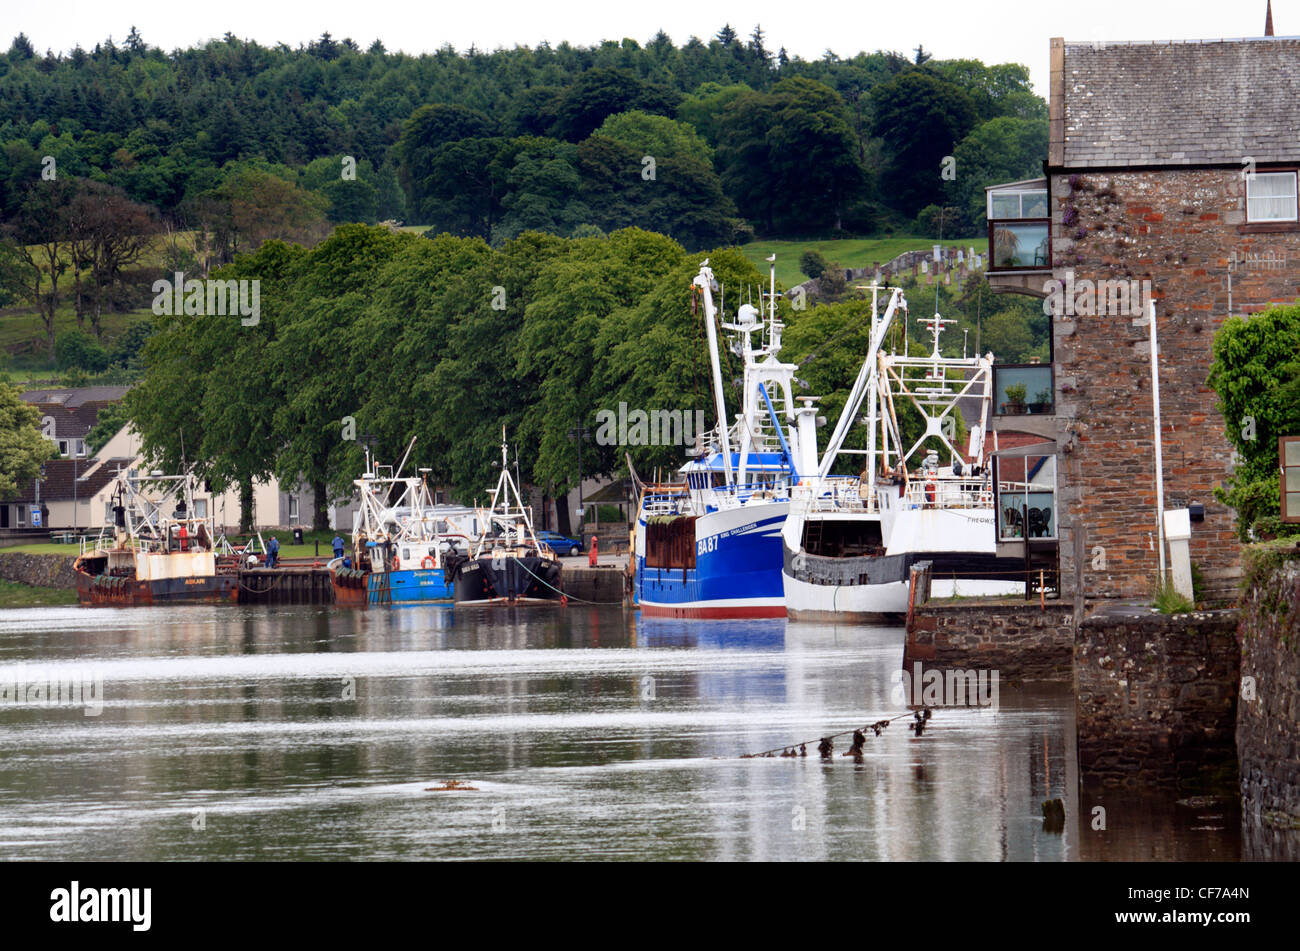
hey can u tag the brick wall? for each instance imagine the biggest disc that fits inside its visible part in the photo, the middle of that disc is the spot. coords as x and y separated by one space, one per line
1179 229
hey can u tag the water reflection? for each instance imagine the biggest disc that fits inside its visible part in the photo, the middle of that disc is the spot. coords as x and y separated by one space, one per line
586 732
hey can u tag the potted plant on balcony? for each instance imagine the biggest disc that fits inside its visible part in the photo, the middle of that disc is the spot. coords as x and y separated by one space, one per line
1015 404
1042 402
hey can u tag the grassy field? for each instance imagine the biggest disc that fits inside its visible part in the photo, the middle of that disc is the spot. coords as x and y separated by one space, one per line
14 595
22 336
848 252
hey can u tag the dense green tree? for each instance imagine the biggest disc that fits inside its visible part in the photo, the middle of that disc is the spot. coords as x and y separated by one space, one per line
22 447
921 118
1004 149
656 136
602 92
788 158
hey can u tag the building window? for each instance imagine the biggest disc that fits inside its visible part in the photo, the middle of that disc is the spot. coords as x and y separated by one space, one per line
293 509
1029 203
63 447
80 446
22 514
200 508
1271 196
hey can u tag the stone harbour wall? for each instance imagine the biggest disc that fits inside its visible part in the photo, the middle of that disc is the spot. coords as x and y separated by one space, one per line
41 571
1020 640
1156 698
1268 716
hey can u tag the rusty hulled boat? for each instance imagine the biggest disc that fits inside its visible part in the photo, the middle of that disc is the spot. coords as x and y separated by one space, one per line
162 551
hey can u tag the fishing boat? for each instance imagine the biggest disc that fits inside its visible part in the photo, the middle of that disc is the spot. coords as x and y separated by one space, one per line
847 549
401 541
507 564
161 550
708 545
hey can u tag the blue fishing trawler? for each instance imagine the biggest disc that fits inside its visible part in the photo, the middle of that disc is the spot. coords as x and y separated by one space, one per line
402 543
708 545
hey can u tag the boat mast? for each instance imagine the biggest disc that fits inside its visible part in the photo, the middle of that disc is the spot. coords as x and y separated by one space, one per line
704 281
861 384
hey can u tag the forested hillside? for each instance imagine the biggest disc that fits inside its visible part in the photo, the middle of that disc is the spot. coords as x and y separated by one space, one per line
709 142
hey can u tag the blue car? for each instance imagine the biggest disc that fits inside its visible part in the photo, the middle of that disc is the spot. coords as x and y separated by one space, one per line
559 544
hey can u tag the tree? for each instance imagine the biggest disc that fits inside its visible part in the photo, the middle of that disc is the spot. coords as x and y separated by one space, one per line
108 423
788 158
73 348
22 447
656 136
429 130
920 119
250 206
21 49
310 366
812 263
38 242
109 233
602 92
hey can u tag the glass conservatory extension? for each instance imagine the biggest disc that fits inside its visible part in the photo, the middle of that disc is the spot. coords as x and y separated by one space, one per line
1020 226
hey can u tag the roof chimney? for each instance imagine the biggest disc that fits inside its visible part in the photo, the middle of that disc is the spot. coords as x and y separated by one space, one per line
1268 20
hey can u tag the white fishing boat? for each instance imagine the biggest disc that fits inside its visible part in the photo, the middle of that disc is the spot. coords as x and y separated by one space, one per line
847 549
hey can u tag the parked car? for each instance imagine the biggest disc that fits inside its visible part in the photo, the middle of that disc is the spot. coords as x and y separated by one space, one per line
559 543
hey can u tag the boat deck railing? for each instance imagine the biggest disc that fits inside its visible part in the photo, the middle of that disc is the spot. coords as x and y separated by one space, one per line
950 493
677 499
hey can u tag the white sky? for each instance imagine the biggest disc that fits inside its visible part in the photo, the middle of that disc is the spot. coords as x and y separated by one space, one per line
972 29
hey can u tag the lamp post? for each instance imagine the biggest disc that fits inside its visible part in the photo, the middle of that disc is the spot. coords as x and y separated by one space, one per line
578 434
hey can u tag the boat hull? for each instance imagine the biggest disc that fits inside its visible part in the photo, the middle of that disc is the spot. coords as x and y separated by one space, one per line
414 586
527 579
737 572
126 592
875 588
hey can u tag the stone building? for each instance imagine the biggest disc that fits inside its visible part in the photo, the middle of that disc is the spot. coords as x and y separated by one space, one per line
1171 175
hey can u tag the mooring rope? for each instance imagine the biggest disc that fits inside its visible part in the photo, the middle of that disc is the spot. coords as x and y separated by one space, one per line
826 746
571 597
270 587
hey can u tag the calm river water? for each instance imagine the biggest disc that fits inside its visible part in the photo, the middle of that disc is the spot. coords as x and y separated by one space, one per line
587 733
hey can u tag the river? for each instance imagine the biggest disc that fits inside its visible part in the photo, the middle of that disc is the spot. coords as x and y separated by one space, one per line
227 733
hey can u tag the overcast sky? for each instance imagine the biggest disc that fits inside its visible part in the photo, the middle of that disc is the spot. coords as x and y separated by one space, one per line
972 29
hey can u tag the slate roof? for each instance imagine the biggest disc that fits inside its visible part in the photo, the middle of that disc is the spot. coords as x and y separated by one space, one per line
77 396
1200 102
57 485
